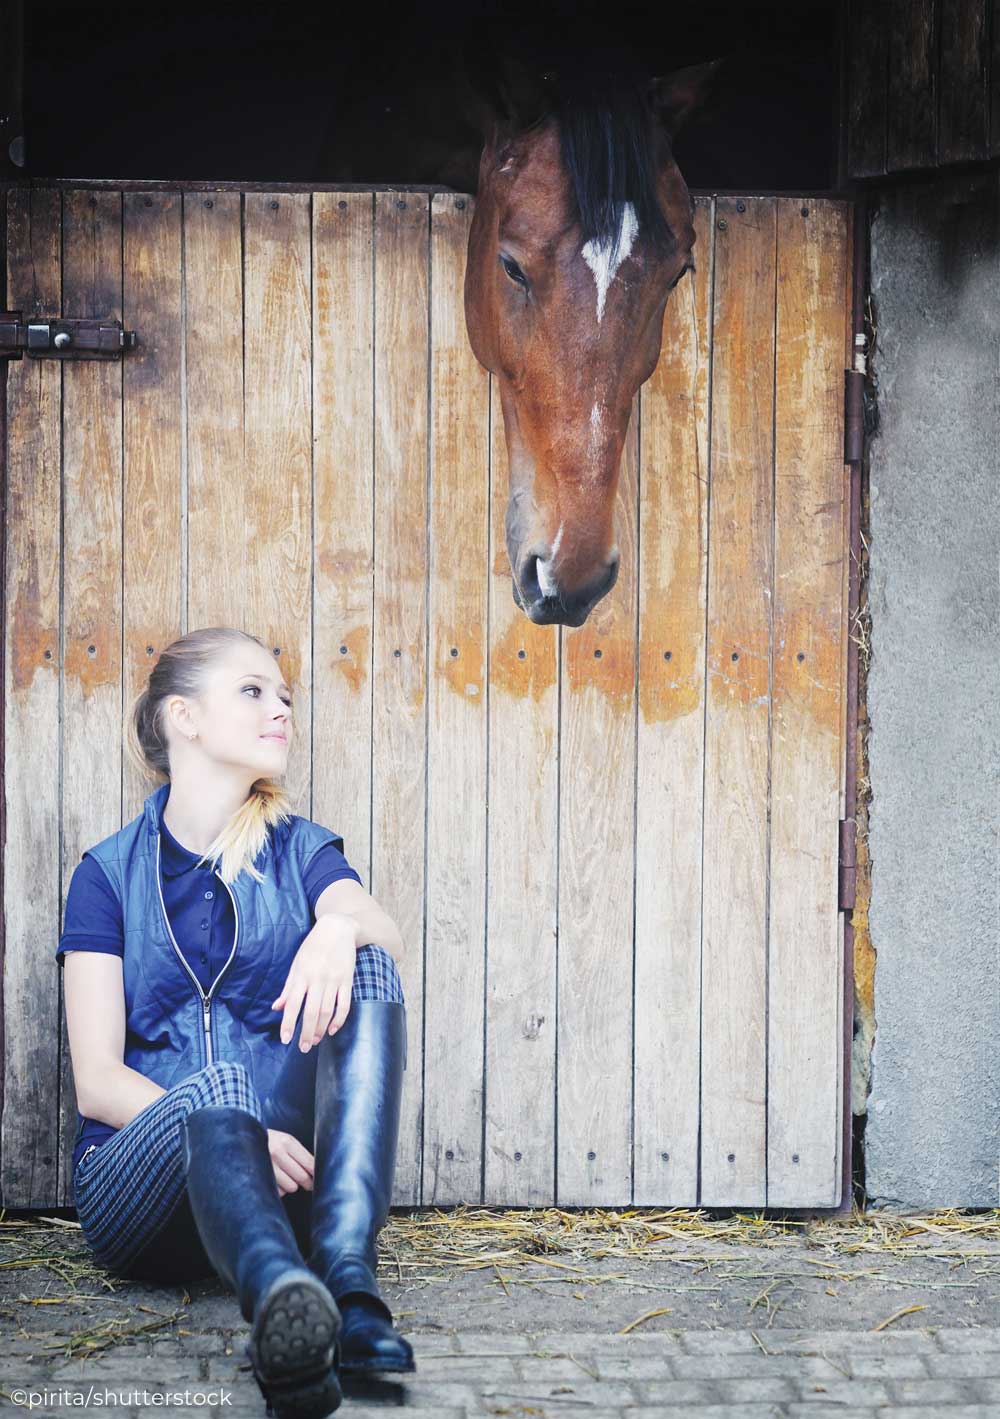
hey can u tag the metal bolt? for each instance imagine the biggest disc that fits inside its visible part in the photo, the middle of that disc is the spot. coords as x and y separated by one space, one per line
401 206
277 650
668 655
48 655
731 1157
795 1157
209 203
517 1157
723 224
449 1155
149 650
343 650
520 655
397 653
736 655
665 1157
805 211
591 1157
597 654
274 206
62 340
741 206
801 656
91 650
342 206
460 204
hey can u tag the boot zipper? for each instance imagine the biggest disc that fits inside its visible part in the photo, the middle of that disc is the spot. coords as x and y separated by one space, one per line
206 1000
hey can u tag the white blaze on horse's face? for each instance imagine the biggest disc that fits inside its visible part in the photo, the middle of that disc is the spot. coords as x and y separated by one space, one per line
600 260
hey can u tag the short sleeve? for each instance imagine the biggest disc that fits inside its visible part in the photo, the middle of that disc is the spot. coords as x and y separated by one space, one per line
328 864
93 920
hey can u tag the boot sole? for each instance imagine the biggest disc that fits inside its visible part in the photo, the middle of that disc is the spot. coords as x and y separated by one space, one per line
293 1350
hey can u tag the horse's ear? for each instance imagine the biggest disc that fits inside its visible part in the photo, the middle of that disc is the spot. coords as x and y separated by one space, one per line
675 97
498 92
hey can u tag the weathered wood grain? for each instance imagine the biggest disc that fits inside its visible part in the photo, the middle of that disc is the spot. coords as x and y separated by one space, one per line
456 749
344 555
399 673
216 487
596 877
34 1163
673 562
913 85
92 546
733 1100
523 824
804 960
277 565
153 471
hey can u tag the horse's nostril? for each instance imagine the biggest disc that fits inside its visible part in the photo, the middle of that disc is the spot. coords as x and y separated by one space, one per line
530 589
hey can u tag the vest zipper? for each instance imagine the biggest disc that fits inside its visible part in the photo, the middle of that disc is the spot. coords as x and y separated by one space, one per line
206 1000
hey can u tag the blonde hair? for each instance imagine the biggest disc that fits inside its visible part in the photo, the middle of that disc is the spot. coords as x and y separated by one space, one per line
181 670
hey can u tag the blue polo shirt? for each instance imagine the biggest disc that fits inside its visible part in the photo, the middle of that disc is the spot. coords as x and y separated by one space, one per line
199 910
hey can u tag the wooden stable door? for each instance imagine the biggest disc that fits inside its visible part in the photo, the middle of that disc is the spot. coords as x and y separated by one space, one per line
611 851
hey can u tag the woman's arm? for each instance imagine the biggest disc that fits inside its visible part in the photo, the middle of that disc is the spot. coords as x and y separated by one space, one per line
374 926
106 1088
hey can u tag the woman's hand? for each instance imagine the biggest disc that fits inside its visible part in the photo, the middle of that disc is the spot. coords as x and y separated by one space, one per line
321 975
292 1162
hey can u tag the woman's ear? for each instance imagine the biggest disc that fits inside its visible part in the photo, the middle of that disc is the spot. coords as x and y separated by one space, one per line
675 97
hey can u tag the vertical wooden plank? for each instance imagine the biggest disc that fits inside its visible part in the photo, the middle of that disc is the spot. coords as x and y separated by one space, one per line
33 1172
399 660
216 492
92 521
596 878
737 707
673 562
456 748
913 86
152 468
278 441
868 78
804 964
343 314
964 119
522 856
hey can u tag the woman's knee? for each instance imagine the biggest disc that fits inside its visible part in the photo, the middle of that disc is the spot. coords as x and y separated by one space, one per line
224 1082
376 976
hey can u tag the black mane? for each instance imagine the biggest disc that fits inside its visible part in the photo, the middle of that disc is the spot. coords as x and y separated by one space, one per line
607 134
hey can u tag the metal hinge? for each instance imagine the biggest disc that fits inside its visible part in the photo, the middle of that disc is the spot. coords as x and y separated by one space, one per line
53 338
848 863
854 402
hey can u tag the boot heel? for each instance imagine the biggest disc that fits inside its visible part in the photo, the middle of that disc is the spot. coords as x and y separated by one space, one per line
293 1349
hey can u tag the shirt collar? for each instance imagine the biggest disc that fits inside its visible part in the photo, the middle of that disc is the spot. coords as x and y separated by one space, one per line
175 858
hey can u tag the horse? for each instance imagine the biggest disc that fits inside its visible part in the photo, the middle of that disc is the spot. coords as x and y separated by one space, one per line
582 227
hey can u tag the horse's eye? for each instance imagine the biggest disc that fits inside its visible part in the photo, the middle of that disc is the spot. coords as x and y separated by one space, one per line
514 271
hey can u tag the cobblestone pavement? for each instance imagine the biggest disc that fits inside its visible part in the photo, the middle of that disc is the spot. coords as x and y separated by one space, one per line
718 1331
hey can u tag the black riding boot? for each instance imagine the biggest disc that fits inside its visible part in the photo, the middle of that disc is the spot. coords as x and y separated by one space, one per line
248 1239
359 1080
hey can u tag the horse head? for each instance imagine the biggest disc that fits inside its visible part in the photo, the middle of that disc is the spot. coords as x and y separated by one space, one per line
582 227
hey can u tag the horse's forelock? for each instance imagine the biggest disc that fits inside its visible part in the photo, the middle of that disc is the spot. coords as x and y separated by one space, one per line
607 141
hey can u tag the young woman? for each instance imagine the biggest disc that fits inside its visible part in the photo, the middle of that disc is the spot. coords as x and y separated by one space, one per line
237 1031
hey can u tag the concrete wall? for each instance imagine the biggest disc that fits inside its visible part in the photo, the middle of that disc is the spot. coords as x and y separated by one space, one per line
933 1131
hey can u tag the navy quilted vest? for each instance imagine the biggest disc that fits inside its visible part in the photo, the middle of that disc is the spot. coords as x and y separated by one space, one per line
172 1027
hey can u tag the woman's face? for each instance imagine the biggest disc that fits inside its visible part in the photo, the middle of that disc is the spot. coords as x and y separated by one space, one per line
244 715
